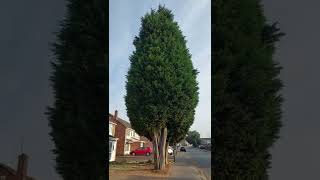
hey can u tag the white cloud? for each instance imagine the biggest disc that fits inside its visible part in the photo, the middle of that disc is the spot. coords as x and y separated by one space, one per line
193 11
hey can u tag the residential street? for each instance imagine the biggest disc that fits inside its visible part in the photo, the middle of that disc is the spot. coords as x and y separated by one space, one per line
199 158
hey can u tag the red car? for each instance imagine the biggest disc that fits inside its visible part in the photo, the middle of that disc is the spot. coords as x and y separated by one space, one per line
142 151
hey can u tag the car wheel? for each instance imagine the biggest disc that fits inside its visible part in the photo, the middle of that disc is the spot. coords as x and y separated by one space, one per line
133 154
148 154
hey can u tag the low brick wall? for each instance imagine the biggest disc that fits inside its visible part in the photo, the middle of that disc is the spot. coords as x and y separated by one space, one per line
133 158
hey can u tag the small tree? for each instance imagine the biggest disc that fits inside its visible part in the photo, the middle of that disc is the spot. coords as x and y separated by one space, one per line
193 138
162 91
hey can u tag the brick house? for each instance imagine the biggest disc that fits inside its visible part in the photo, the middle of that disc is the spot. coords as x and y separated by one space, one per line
7 173
128 139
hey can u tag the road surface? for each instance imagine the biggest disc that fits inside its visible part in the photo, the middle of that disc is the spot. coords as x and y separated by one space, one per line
201 159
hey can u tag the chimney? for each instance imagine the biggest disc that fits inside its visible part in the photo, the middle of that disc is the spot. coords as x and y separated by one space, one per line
115 114
22 166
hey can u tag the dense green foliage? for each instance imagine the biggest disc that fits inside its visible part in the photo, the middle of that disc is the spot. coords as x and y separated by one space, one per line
78 114
162 91
179 129
246 99
193 138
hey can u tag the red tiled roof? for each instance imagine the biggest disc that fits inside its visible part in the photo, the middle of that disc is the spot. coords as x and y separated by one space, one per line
12 171
142 138
9 169
123 122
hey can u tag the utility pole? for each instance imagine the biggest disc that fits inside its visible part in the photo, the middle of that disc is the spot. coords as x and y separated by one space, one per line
175 152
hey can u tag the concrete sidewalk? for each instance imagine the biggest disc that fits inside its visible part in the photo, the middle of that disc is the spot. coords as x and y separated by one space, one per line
180 171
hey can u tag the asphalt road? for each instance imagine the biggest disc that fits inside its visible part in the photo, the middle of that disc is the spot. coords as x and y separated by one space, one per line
198 158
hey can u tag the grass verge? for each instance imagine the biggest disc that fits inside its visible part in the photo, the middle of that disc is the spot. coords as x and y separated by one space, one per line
145 168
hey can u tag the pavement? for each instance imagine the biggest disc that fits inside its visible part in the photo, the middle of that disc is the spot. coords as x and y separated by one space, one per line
195 164
181 171
194 161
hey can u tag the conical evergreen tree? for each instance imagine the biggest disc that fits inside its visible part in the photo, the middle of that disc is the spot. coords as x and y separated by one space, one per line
162 91
246 99
79 81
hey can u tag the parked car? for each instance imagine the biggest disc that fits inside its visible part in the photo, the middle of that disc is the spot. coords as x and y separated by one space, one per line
170 150
142 151
183 149
201 147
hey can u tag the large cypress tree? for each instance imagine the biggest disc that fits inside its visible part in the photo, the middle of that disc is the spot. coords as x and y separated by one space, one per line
162 91
79 81
247 102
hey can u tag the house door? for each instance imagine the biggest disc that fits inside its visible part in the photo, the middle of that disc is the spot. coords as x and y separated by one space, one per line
110 149
127 148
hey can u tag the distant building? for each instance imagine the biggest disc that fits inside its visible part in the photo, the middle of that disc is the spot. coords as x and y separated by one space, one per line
205 141
7 173
183 142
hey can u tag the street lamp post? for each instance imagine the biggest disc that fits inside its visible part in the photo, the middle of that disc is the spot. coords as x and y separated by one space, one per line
174 153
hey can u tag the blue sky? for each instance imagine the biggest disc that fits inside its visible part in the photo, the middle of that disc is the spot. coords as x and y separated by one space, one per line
194 19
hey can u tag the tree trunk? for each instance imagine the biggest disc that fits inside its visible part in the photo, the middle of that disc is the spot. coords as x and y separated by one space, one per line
156 150
160 149
163 141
